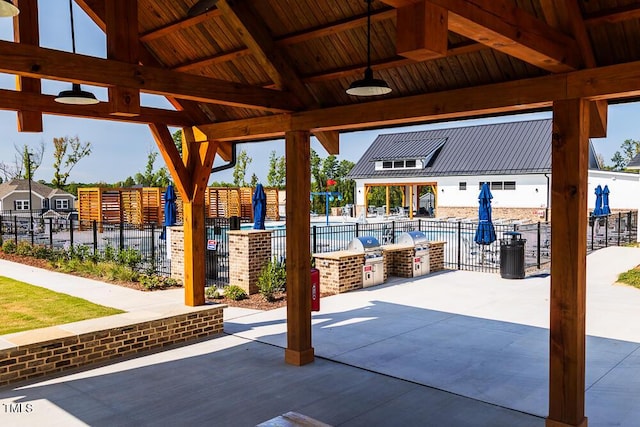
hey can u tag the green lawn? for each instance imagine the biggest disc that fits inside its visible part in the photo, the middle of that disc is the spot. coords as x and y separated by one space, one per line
631 277
24 307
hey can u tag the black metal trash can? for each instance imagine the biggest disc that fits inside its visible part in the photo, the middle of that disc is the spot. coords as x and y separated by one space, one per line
512 256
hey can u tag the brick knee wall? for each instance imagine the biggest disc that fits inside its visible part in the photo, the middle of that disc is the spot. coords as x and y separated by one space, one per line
37 359
249 252
339 274
436 256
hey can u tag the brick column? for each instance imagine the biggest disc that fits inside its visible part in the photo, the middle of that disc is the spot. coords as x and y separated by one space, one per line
436 256
249 251
177 252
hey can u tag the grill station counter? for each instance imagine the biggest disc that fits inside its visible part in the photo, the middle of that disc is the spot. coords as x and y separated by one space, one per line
420 244
373 268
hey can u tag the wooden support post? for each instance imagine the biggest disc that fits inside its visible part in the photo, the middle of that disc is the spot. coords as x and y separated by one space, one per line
411 201
422 31
387 199
298 166
569 161
194 252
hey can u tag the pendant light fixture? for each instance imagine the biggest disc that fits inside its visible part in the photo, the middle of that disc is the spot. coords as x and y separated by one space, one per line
368 86
8 9
75 96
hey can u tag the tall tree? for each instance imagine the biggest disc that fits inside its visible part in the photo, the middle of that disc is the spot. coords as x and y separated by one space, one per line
240 169
177 140
254 180
619 162
24 157
630 148
277 171
68 152
150 177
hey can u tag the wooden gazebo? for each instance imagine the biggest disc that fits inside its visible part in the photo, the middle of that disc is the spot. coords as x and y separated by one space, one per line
247 70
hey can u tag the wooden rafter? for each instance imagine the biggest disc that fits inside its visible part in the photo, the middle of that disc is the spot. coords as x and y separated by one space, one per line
39 62
257 38
25 30
615 15
511 30
16 101
178 25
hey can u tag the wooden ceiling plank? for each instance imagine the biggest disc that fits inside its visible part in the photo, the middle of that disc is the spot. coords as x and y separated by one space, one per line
567 17
212 60
400 3
178 25
121 19
422 31
39 62
172 159
506 28
26 31
330 140
257 38
15 101
612 82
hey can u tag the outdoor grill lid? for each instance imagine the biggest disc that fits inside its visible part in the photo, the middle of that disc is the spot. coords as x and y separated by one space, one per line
413 238
363 243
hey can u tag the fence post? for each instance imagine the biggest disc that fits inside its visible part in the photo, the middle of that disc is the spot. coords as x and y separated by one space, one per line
51 233
121 235
606 231
1 231
630 227
15 228
459 244
94 226
71 230
315 238
419 224
619 226
393 231
538 254
593 226
357 229
153 244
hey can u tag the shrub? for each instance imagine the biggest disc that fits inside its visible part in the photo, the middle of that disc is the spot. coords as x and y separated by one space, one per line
235 293
272 279
129 257
212 293
109 253
42 252
24 248
153 281
9 247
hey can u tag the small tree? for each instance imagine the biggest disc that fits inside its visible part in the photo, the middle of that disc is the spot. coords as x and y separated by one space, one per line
240 169
68 152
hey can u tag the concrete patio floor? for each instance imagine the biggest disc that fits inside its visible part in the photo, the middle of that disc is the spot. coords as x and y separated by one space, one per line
451 349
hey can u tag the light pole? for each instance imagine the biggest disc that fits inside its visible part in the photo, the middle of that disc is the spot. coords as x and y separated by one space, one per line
30 198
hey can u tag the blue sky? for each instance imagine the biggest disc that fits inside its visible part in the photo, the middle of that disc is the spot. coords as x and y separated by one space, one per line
120 149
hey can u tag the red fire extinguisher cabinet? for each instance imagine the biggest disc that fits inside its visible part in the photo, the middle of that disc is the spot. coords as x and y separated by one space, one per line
315 289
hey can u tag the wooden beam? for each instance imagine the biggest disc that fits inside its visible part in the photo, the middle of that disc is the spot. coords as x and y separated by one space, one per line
172 159
25 31
598 118
422 31
34 61
122 45
15 101
299 350
178 25
570 164
509 29
199 157
611 82
614 15
400 3
255 35
330 140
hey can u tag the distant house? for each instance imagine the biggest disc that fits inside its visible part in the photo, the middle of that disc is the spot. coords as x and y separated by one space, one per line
441 171
14 197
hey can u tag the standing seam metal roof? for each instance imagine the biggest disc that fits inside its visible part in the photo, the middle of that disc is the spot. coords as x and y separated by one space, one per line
503 148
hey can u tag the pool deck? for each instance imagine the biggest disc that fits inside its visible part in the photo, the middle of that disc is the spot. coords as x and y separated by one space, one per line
452 349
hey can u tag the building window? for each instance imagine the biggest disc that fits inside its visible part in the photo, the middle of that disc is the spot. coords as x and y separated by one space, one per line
62 204
410 164
398 164
462 186
496 185
22 205
387 165
509 185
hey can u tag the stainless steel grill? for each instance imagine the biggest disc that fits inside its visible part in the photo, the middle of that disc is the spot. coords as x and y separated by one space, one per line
420 244
373 268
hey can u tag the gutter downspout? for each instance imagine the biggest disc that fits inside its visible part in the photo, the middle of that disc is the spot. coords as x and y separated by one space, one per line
231 163
546 210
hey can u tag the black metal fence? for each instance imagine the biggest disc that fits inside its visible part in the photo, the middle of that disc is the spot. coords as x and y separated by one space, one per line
461 251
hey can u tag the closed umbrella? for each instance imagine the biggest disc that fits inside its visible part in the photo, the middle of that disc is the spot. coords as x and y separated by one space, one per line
170 209
605 201
597 211
259 201
486 233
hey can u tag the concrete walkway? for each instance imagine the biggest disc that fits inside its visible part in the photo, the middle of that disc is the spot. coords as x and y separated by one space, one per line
452 349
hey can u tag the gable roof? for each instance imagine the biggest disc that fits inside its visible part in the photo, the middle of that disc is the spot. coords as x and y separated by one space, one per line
635 162
503 148
38 188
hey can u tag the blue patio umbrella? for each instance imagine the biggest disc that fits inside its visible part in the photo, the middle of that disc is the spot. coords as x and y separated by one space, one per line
259 201
170 209
605 201
597 211
486 233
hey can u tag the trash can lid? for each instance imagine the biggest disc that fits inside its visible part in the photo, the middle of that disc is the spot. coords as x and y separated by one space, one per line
513 234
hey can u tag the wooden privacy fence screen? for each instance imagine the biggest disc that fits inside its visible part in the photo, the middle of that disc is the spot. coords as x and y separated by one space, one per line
146 205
